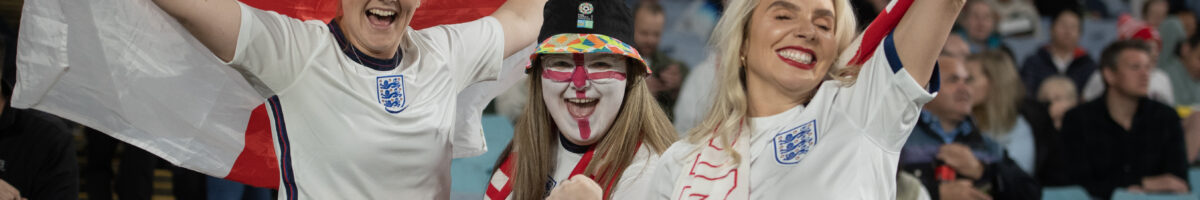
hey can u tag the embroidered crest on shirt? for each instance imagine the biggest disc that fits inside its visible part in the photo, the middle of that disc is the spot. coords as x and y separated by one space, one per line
391 93
793 144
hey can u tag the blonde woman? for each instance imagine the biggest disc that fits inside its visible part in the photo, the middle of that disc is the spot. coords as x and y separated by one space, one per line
793 120
589 113
995 105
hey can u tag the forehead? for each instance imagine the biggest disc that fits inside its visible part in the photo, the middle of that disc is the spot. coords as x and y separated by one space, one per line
821 7
1133 56
586 56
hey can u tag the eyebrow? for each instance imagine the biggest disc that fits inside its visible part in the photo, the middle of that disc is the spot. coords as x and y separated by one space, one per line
784 4
820 12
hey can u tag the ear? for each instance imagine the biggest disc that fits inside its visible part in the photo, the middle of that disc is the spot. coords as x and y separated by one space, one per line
1107 74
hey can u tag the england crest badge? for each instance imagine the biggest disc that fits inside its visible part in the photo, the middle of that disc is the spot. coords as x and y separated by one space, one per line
793 144
391 93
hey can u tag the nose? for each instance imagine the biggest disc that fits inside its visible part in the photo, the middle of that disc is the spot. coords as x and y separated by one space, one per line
579 77
805 31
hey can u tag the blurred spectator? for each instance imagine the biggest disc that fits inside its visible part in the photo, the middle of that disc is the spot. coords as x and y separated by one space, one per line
1154 12
995 102
37 157
1017 18
978 22
1160 84
951 157
1123 139
668 73
1059 92
695 96
1183 67
1062 56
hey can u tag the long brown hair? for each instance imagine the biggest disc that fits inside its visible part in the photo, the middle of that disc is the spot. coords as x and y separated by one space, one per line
998 113
640 120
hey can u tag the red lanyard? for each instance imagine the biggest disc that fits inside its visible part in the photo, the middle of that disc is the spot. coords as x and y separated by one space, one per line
583 163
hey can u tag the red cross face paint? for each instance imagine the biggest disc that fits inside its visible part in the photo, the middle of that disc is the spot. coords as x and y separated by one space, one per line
583 93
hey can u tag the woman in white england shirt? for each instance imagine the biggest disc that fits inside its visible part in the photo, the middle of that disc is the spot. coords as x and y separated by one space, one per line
792 119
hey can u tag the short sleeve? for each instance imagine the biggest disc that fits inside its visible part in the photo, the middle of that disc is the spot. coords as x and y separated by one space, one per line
272 48
473 50
885 99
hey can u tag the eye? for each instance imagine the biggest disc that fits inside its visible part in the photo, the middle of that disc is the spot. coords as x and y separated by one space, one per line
601 65
560 65
783 17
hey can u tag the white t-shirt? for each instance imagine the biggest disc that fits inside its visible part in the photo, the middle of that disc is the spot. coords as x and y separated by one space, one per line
347 131
845 144
634 183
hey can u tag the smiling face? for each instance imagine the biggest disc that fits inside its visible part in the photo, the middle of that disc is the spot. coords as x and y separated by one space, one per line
583 93
790 45
376 27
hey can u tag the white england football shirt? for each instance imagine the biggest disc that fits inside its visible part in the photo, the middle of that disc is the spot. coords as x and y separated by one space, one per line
346 130
845 144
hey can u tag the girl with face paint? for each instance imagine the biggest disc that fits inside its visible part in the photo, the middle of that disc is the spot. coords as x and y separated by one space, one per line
791 118
589 113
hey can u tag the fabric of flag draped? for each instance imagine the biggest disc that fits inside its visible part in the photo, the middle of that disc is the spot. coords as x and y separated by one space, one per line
127 69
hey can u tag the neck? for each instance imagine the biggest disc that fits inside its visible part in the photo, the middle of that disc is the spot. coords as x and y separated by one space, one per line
765 100
1120 109
1062 52
384 54
949 123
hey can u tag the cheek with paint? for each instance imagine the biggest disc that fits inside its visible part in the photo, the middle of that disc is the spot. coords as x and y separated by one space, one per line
584 101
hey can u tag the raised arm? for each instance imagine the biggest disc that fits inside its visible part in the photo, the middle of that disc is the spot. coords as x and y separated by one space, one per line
214 22
922 32
521 20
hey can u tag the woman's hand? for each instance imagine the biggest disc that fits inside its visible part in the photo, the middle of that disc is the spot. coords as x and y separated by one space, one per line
578 187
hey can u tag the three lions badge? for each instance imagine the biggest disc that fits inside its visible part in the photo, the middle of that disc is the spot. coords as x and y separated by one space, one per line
391 93
793 144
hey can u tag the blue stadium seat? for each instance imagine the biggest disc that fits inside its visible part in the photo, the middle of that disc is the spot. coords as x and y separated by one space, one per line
1064 193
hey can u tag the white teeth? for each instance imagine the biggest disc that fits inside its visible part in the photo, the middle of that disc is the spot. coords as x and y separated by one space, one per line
382 13
798 56
581 100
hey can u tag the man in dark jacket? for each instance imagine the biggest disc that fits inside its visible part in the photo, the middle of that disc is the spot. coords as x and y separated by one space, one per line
951 157
1061 56
1123 139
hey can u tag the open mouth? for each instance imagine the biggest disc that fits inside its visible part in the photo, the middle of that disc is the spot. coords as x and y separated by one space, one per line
798 57
581 108
381 18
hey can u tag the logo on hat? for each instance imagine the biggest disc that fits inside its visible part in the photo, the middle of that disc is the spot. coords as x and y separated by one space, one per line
585 16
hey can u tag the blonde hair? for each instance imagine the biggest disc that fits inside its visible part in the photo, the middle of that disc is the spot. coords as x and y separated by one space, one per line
639 121
998 113
1057 81
729 104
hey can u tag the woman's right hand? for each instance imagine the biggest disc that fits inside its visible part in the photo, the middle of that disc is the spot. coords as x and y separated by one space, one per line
578 187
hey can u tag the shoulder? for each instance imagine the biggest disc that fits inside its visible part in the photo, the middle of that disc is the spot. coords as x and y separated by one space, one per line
1085 111
1160 110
